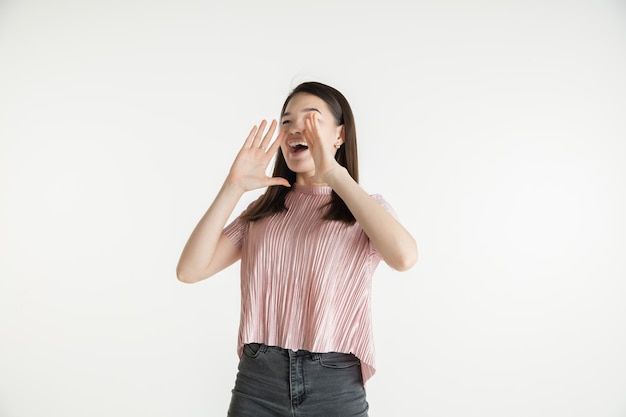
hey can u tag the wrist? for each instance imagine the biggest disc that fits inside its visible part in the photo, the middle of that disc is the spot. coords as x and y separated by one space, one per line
233 188
336 176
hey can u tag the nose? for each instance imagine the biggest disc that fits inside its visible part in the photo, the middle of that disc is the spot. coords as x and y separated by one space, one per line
295 127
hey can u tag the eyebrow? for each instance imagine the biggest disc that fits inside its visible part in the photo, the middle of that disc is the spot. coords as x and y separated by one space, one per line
306 110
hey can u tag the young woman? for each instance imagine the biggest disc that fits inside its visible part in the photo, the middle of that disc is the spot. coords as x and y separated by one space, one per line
308 249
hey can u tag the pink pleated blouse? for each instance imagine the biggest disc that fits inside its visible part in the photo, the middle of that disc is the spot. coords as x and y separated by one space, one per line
306 282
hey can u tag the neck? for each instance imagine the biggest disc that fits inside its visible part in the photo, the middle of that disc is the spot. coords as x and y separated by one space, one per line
308 180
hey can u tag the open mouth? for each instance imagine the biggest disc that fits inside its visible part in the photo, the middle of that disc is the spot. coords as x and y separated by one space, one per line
296 147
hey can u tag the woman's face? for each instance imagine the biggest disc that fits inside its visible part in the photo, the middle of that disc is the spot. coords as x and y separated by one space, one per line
295 151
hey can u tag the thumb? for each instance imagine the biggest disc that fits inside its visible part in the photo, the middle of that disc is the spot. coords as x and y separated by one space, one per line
278 181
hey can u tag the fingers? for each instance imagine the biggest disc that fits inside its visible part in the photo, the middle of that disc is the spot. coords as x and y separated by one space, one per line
257 139
250 139
282 134
264 143
256 133
310 127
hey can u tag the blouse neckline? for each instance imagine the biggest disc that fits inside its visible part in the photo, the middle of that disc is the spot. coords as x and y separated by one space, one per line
312 189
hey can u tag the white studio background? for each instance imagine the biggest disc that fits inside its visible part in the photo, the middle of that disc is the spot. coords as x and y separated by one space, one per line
496 130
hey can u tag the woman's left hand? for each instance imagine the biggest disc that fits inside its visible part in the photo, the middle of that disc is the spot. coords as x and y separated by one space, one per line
323 153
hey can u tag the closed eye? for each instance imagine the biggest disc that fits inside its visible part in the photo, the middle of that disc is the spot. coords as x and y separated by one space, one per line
286 121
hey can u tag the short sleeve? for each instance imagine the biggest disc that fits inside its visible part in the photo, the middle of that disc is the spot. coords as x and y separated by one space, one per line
236 229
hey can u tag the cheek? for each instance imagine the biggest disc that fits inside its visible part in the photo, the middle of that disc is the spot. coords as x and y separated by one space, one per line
331 135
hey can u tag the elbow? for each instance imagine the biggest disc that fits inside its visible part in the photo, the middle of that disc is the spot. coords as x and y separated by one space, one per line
185 277
406 259
405 263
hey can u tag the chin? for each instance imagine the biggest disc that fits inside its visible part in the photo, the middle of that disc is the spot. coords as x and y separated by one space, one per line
301 167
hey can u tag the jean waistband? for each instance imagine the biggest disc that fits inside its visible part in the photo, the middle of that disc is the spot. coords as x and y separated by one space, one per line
291 353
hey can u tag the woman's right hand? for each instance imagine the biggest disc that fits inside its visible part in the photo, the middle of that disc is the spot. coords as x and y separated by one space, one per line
249 170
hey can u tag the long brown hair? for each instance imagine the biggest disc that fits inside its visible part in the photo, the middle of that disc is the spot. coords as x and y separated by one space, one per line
273 200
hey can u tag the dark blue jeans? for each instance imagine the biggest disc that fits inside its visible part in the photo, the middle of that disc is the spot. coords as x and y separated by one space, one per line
275 382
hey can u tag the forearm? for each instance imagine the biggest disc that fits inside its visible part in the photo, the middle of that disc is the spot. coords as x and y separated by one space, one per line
395 244
200 249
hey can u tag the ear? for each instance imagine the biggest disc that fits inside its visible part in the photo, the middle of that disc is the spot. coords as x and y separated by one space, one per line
341 137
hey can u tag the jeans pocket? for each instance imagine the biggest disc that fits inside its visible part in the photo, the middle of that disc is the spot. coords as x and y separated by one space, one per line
252 350
338 360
